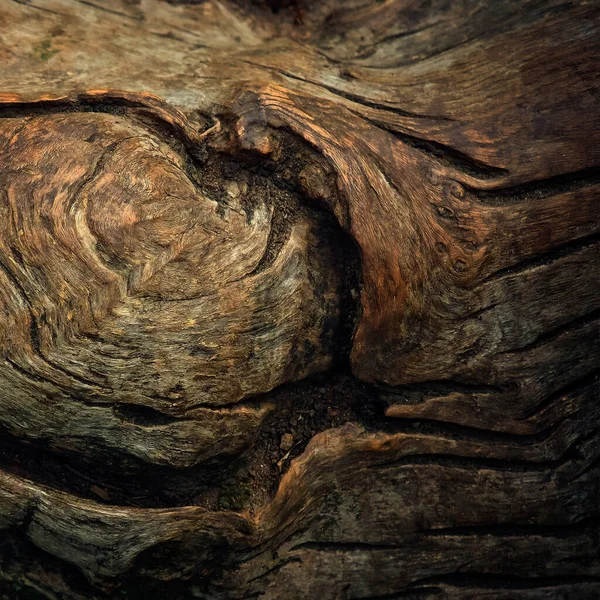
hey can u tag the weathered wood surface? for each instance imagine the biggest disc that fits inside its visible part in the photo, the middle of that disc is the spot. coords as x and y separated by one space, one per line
178 185
124 283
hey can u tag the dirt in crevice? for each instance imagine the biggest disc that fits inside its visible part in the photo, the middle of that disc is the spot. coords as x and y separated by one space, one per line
28 573
302 410
249 481
295 181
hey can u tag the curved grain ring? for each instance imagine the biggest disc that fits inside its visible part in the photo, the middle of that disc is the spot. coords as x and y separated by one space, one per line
126 280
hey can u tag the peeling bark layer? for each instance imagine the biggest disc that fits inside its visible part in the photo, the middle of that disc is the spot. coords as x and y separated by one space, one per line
203 204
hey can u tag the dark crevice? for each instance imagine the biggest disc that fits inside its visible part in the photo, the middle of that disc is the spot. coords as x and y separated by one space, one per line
538 190
592 466
454 431
251 402
19 558
415 393
144 416
28 4
477 463
275 568
279 233
477 313
111 11
139 111
506 581
278 182
547 337
376 105
367 50
416 593
302 409
448 156
405 63
350 546
109 478
169 35
545 258
349 96
591 381
585 527
26 373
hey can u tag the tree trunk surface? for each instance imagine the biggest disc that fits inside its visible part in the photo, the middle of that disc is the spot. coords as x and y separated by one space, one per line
299 299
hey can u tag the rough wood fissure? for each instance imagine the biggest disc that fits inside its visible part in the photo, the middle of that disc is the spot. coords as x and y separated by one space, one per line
203 201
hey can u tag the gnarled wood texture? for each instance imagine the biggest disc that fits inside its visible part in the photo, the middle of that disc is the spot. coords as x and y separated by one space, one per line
203 201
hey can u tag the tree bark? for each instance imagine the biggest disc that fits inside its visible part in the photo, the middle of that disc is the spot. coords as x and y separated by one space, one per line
299 299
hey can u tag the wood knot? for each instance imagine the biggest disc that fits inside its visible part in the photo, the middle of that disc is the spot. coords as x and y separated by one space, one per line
460 266
456 189
165 283
445 212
